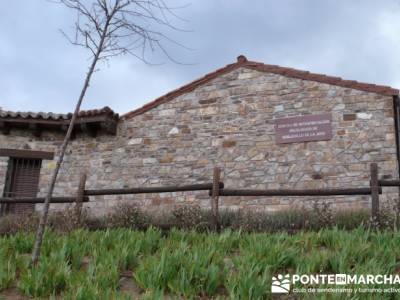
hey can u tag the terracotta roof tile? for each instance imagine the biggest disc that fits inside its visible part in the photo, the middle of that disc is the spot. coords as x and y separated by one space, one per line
106 111
289 72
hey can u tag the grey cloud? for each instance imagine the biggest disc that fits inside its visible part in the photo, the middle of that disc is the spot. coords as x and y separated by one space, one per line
39 70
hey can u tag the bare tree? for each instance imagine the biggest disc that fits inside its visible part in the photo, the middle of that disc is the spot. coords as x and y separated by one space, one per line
109 28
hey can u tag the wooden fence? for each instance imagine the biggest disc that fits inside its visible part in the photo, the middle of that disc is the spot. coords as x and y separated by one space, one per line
216 189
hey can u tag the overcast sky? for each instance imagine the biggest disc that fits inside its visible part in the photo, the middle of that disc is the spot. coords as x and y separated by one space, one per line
41 71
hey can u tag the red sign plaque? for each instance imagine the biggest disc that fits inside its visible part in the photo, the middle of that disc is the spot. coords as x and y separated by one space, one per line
303 129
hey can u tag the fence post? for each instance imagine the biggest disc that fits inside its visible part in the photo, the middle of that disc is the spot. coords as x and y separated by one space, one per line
374 183
214 197
79 197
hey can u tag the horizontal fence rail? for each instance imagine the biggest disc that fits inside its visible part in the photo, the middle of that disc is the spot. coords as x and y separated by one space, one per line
216 189
288 193
389 182
149 190
40 200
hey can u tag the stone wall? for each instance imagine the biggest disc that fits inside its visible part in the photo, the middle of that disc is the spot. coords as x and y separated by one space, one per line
229 122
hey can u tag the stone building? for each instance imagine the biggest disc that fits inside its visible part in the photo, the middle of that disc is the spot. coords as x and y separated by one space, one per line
267 127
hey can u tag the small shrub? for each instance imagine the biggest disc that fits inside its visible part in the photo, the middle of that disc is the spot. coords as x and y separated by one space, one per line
127 215
162 220
95 223
67 220
61 221
321 215
190 217
13 223
259 221
300 218
387 216
351 219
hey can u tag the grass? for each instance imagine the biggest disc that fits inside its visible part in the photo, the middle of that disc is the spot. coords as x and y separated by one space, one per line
188 264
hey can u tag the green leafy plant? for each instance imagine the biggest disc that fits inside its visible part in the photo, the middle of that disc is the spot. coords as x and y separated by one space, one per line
7 272
85 264
50 277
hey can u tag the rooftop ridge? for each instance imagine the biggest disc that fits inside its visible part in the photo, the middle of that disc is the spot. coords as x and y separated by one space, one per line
274 69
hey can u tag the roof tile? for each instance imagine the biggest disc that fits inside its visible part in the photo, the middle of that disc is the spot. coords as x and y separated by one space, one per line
53 116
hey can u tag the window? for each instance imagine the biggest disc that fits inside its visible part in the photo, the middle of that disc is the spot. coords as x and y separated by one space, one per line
22 181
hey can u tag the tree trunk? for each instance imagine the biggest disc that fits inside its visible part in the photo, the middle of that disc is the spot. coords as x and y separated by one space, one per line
44 216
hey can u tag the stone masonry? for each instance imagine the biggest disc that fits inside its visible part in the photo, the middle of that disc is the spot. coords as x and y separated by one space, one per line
229 122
